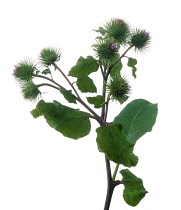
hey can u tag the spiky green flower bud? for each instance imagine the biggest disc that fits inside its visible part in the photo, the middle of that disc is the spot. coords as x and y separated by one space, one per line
106 50
30 91
118 88
24 71
140 40
118 30
48 56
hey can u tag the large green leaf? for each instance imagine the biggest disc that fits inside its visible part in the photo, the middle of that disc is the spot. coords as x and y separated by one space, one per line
84 67
137 118
70 122
86 84
134 190
68 95
113 143
97 101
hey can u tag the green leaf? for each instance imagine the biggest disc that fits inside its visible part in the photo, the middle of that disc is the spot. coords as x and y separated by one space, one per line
131 63
101 30
112 142
137 118
97 101
84 67
86 84
134 190
46 71
71 98
117 67
70 122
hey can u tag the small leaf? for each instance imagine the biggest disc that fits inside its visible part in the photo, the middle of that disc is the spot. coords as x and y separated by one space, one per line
70 122
134 190
71 98
84 67
137 118
112 142
86 84
97 101
101 30
117 67
46 71
131 63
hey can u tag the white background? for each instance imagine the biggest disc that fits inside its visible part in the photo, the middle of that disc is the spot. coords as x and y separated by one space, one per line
42 170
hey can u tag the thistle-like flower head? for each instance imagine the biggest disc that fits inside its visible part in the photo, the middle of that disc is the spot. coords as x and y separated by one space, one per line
30 91
106 50
24 71
118 30
118 88
48 56
140 40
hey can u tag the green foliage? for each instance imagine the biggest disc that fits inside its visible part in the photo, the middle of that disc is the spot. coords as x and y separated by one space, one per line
46 71
118 88
84 67
131 63
49 56
70 122
118 30
117 139
112 142
137 118
24 71
86 84
134 190
117 67
68 95
140 40
101 30
30 91
97 101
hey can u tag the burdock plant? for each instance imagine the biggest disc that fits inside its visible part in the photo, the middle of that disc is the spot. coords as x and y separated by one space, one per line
116 139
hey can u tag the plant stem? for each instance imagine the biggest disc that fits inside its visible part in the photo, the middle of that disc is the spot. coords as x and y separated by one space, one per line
108 72
115 172
111 184
51 80
47 84
78 97
55 65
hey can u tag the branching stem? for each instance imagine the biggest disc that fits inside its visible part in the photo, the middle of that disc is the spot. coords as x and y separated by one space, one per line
78 98
55 65
51 80
47 84
108 72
